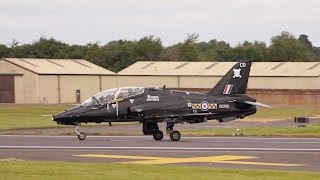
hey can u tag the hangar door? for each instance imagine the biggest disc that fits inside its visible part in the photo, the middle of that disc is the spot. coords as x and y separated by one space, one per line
6 89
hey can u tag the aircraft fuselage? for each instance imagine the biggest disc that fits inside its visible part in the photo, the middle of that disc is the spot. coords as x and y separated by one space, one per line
155 104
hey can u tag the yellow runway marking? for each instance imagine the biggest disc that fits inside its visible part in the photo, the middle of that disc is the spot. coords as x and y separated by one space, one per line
117 156
227 159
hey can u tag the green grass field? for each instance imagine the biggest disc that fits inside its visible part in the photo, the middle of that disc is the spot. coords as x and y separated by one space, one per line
67 170
32 116
28 116
309 131
286 111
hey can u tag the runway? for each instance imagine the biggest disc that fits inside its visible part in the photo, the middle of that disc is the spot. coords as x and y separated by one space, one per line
234 152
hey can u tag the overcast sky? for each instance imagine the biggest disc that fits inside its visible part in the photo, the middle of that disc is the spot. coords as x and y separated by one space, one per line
84 21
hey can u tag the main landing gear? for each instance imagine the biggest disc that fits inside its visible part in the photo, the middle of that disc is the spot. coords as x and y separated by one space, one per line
152 128
174 135
149 128
81 135
158 135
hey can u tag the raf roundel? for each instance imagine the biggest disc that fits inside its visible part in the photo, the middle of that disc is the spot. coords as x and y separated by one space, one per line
204 106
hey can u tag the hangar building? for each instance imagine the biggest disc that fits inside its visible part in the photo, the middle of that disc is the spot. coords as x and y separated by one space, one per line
68 81
263 75
290 82
33 81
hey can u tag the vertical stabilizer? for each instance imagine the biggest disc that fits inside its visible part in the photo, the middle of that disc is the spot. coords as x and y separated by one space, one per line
234 82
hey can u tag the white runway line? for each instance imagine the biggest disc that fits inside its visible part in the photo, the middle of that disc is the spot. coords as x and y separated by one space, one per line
158 148
125 140
310 142
148 137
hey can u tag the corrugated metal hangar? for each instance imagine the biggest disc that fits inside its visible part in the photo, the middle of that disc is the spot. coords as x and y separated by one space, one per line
51 80
263 75
270 82
67 81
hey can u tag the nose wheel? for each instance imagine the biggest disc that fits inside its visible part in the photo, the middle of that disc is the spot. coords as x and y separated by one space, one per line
81 135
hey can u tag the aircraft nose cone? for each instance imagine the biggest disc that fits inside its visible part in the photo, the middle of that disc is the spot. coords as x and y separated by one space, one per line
55 118
58 117
67 117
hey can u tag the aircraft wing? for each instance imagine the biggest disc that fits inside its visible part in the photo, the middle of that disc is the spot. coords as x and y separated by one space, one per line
189 118
200 114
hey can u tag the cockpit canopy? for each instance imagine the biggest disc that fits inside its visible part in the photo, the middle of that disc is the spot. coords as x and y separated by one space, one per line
109 95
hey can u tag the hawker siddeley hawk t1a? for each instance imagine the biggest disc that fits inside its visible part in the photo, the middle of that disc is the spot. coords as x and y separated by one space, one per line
225 102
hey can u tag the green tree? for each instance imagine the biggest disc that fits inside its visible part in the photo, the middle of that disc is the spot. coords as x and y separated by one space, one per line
286 47
317 53
213 50
94 53
312 53
14 43
188 50
4 51
48 48
22 51
170 53
149 48
305 40
256 51
119 54
76 52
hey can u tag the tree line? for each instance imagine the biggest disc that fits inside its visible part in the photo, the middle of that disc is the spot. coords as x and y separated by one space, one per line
116 55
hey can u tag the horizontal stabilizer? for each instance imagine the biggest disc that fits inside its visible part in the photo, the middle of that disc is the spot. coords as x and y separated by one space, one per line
257 104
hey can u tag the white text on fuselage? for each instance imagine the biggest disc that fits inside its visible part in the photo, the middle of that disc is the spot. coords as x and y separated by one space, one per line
153 98
224 106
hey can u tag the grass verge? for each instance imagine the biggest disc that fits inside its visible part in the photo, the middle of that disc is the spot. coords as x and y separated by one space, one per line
309 131
28 116
68 170
14 116
286 112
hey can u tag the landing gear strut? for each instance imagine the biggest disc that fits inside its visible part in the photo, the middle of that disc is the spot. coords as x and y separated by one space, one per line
81 135
152 128
174 135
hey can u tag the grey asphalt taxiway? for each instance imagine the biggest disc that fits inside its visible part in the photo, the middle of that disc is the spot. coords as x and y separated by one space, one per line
234 152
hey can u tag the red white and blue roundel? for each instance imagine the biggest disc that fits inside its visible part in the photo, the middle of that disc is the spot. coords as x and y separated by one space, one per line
228 89
204 106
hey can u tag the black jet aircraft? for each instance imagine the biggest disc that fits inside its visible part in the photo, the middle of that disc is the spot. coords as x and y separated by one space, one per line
225 102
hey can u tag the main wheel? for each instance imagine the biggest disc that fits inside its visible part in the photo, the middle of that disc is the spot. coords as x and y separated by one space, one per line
158 135
175 136
82 136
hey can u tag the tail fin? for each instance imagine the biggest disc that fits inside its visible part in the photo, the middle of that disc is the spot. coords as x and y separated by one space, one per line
235 81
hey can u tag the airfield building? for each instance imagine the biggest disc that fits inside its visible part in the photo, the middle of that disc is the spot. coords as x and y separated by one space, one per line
273 82
52 81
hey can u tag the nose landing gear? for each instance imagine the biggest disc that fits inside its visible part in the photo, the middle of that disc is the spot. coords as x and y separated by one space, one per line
81 135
